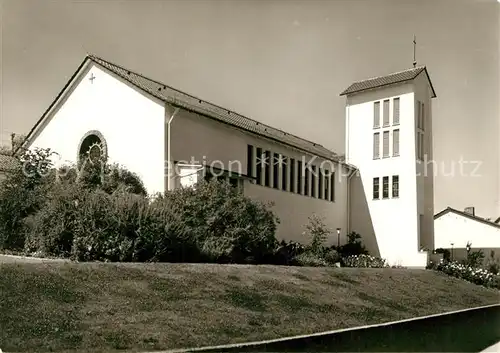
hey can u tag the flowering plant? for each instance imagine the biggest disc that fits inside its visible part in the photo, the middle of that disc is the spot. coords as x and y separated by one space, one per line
472 274
364 261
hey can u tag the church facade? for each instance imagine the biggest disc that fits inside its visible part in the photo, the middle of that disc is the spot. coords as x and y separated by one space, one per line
172 139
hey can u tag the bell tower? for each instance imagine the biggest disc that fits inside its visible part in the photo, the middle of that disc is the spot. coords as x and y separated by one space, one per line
389 140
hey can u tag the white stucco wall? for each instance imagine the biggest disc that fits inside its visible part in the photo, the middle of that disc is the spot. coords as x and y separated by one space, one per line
427 169
395 220
457 229
132 124
199 139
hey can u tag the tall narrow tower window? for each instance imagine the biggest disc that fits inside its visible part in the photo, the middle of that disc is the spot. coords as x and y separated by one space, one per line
386 144
423 117
395 186
395 111
418 115
376 188
420 145
376 145
385 188
422 150
395 143
386 112
376 115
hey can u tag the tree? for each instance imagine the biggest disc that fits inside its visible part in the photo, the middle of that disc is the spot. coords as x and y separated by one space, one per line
318 232
22 193
16 142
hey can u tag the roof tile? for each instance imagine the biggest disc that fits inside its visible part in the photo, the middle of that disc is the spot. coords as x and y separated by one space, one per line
187 101
398 77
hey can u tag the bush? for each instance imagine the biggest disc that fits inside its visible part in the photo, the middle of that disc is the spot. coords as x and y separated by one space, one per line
102 176
213 223
310 259
318 232
475 258
331 256
50 231
492 265
89 225
215 210
27 190
22 194
431 265
286 253
353 246
364 261
446 253
471 274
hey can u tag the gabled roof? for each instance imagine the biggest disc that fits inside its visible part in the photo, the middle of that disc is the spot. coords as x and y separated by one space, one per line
467 215
381 81
188 102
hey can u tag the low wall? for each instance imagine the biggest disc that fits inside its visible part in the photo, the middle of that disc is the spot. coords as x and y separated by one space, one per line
469 330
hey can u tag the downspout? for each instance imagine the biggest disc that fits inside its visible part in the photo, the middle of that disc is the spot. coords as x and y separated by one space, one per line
347 133
169 154
348 227
349 200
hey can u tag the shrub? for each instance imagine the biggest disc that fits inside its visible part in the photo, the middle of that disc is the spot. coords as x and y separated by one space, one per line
286 253
468 273
22 194
363 261
26 191
331 256
310 259
492 265
353 246
446 253
318 232
50 231
90 225
431 265
213 223
103 176
130 229
475 258
215 210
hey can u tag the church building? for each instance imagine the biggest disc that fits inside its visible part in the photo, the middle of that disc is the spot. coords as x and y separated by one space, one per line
382 188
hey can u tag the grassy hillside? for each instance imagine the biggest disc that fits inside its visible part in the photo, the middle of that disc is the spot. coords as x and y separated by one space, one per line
95 307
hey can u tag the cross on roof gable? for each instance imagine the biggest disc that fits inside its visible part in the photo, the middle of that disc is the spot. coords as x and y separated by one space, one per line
188 102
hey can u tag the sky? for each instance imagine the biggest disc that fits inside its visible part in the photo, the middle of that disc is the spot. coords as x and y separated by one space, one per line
280 62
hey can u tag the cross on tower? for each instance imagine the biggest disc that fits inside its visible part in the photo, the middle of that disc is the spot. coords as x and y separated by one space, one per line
414 51
92 78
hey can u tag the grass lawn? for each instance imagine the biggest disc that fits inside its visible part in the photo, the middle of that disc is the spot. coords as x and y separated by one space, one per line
96 307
